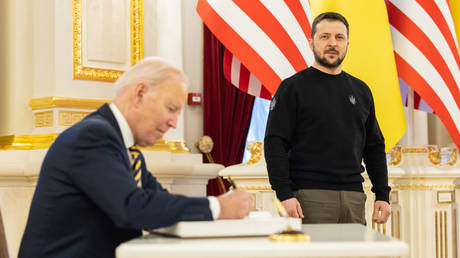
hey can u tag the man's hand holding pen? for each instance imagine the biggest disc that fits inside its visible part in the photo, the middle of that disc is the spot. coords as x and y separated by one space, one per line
235 205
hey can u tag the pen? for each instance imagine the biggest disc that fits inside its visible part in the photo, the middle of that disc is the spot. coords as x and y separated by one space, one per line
232 183
281 210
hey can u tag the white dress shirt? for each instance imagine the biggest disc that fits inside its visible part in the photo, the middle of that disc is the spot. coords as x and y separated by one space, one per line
128 139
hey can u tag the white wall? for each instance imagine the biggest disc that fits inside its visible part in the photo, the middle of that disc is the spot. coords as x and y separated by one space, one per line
192 46
17 69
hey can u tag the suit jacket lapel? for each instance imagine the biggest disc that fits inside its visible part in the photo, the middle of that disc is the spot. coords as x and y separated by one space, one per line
107 114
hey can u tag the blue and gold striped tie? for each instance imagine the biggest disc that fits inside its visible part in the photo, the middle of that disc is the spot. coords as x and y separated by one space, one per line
136 164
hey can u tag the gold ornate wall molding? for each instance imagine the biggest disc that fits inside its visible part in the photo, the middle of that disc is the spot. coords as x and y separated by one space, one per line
136 38
64 102
27 142
171 146
44 141
69 118
44 119
137 31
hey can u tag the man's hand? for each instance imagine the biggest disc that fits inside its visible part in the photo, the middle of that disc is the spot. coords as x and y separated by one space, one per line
382 211
293 208
236 205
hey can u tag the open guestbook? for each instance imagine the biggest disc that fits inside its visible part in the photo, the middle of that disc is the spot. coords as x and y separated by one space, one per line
256 224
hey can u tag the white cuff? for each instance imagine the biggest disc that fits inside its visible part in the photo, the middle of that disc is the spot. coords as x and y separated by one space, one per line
214 206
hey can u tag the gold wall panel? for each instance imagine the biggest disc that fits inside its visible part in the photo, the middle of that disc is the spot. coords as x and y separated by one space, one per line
27 142
43 119
63 102
69 118
136 38
44 141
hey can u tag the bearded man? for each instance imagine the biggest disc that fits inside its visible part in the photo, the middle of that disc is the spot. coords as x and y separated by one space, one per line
320 128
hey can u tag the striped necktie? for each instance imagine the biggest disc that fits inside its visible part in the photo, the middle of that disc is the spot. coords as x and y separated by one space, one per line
136 164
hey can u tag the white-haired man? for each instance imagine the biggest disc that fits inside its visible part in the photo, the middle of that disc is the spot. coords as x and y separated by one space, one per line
94 191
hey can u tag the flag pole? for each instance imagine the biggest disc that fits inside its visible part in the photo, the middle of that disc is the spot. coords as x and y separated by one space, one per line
410 109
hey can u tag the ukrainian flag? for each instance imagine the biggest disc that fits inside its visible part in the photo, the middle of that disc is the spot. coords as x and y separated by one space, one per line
455 10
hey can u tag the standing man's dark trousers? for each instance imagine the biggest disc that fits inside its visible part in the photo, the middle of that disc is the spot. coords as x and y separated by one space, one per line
330 206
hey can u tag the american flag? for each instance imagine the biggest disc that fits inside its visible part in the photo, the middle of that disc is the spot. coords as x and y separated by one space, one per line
266 40
427 56
242 78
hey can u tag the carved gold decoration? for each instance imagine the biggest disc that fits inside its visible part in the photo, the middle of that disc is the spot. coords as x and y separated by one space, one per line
396 155
64 102
258 188
423 178
163 145
419 186
97 74
44 119
423 186
69 118
414 150
27 142
453 157
256 149
260 179
44 141
137 31
434 155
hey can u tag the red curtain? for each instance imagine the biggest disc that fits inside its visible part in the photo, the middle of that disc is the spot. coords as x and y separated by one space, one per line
227 110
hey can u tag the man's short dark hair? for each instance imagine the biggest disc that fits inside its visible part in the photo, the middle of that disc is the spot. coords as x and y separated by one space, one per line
328 16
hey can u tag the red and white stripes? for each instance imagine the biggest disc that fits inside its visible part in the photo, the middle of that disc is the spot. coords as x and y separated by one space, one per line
427 56
241 78
270 38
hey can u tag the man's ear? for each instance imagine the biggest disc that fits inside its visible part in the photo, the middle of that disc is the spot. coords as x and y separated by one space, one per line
310 43
139 92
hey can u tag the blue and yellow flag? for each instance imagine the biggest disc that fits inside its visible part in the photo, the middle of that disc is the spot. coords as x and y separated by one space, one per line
455 10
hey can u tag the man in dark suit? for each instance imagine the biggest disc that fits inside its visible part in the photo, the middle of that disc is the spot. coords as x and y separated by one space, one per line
89 198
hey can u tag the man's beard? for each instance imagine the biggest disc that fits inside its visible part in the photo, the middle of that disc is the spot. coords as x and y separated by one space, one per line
323 61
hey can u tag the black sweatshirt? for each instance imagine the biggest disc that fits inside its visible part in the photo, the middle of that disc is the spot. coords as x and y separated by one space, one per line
319 129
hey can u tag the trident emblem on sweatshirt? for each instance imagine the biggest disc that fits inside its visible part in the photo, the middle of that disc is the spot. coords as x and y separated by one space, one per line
352 99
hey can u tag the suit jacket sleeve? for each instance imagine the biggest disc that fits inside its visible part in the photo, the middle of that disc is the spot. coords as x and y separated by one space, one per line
93 159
